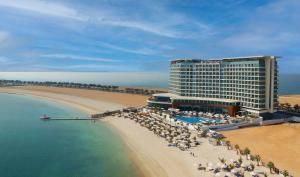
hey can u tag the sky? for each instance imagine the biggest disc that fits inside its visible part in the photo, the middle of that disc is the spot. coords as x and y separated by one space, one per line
134 36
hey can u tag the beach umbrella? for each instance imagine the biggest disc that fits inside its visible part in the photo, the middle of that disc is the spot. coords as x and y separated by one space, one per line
252 173
233 171
218 174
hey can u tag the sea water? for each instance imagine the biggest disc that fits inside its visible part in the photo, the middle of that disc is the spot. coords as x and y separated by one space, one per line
288 83
30 147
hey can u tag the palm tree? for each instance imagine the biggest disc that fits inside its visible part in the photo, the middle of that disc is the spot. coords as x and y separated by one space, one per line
296 107
257 158
270 166
240 160
228 144
285 173
281 106
287 106
252 157
237 147
247 151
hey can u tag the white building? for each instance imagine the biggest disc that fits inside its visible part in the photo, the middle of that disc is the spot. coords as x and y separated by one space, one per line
228 85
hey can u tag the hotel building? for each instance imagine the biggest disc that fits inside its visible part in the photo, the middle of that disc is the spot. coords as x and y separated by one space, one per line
238 85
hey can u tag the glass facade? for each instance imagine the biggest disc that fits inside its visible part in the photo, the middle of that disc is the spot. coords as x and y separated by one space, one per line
251 81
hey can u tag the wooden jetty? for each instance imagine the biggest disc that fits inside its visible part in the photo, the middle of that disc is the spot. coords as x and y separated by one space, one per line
93 116
70 118
67 118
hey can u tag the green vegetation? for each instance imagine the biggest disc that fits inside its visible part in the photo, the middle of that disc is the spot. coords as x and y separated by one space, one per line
258 159
247 151
271 166
237 148
285 173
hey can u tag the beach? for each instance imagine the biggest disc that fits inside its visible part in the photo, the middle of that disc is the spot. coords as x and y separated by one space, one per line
90 101
277 143
292 99
150 153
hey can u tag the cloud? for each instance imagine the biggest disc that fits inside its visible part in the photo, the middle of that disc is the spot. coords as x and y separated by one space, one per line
78 57
63 32
270 27
7 63
44 7
259 41
89 66
9 42
109 16
143 51
143 26
3 36
75 67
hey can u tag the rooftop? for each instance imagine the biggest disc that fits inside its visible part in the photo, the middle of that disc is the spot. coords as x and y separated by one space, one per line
178 97
223 59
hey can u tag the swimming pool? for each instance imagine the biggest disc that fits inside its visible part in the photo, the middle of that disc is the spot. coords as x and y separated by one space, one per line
194 120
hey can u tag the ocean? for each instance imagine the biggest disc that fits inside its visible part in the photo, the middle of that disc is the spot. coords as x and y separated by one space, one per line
30 147
288 83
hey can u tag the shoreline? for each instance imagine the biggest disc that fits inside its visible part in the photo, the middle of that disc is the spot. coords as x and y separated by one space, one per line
150 154
75 106
141 170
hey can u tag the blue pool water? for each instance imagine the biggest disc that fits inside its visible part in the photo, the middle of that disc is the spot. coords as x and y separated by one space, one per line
194 120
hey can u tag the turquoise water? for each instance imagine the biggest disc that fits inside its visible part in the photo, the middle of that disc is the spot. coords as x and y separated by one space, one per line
194 120
30 147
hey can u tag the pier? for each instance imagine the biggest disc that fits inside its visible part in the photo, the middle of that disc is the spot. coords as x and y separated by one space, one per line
69 118
92 117
47 118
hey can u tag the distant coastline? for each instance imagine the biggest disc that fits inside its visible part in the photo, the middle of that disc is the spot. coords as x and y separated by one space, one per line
289 84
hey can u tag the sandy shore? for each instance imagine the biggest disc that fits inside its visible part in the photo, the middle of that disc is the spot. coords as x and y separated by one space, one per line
277 143
150 153
90 101
292 99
